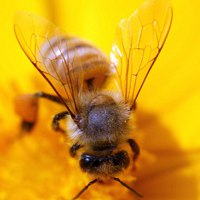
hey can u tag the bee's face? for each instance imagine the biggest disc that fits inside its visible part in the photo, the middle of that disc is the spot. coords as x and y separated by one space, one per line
104 165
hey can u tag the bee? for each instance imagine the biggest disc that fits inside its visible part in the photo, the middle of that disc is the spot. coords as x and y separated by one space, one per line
98 119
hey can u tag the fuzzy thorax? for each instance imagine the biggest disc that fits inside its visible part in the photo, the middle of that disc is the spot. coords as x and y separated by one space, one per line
103 121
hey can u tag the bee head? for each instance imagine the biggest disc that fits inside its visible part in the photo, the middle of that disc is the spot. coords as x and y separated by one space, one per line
104 165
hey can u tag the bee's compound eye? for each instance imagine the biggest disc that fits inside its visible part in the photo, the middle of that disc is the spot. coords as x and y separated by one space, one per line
86 161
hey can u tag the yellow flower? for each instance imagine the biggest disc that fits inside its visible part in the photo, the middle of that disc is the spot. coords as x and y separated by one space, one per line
37 166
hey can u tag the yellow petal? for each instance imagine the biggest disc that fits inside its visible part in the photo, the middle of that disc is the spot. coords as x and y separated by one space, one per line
171 175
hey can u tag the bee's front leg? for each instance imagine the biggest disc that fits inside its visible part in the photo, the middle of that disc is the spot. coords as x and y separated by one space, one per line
134 147
56 119
74 149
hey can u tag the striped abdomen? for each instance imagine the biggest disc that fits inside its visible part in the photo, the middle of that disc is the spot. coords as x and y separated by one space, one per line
63 55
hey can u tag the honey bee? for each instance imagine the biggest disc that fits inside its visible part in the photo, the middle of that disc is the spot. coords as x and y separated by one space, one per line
98 120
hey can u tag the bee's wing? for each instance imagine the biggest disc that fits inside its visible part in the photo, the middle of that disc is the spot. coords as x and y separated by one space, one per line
46 47
139 40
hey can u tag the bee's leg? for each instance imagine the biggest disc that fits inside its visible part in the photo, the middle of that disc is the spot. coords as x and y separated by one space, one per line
74 149
26 126
134 147
26 106
56 119
50 97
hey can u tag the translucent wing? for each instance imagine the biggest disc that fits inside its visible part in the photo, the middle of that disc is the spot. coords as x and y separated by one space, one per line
139 40
48 49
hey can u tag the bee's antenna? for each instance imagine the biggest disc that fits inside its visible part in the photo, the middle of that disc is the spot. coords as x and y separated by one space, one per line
85 188
128 187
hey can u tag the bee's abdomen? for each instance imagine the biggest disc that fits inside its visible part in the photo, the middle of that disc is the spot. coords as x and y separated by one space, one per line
62 55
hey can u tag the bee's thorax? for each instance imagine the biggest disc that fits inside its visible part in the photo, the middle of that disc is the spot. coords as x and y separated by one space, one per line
102 122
